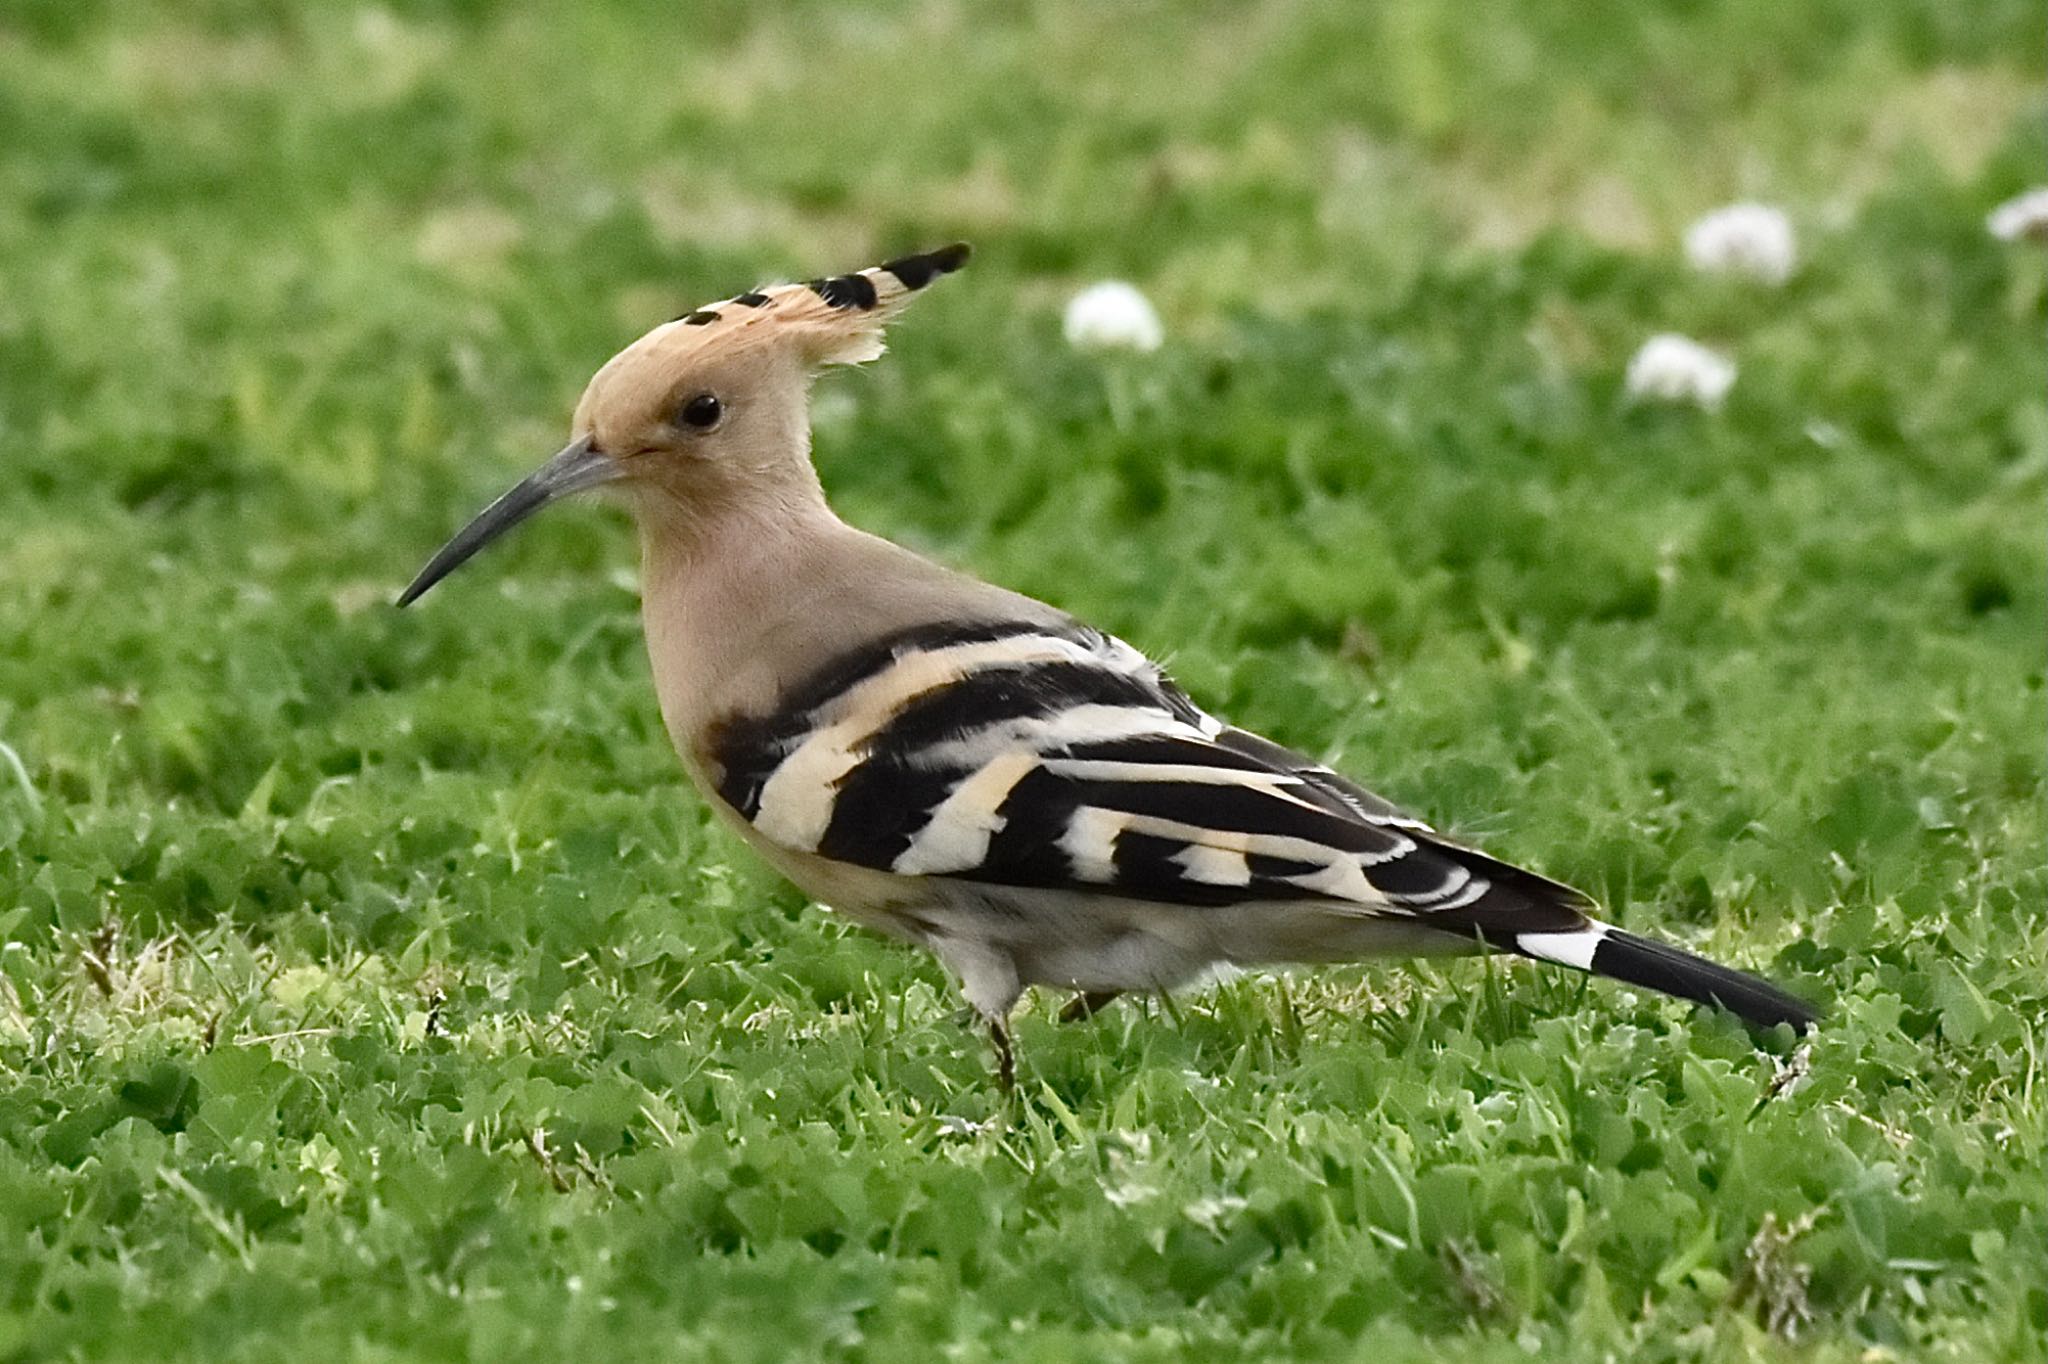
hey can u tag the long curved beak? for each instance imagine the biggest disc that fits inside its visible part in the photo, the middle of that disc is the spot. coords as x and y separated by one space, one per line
577 467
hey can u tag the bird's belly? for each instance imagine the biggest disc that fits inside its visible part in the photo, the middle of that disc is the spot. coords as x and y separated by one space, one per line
1109 943
1051 937
1082 942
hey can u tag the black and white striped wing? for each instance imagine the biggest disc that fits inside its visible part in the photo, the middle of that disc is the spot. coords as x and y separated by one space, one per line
1019 755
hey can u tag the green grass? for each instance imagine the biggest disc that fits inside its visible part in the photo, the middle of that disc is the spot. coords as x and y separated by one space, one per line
371 986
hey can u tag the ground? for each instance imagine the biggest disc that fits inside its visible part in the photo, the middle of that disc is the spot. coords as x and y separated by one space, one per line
373 988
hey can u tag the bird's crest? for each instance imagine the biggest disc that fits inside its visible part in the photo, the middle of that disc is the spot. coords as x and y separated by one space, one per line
833 321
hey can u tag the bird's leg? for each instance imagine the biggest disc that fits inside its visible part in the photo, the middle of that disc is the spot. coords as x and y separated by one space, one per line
1006 1059
988 977
1086 1004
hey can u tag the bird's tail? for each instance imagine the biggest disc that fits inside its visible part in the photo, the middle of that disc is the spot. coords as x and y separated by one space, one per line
1604 950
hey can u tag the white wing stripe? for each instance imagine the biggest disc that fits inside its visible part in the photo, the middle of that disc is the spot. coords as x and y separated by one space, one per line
1475 888
1339 874
1098 769
956 836
1403 845
1090 842
1085 724
1343 879
1457 879
1215 866
796 800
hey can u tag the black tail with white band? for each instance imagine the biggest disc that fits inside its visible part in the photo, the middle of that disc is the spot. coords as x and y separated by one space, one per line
1610 952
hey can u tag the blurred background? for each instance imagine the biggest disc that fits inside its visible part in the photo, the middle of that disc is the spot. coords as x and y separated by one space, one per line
291 287
287 290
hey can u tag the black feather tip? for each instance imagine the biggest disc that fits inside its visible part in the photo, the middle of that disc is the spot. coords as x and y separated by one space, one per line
914 272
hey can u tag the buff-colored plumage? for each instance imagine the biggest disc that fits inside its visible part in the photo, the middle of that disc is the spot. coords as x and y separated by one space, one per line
970 769
824 322
747 575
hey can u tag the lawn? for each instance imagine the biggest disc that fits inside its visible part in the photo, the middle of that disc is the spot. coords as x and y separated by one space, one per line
372 986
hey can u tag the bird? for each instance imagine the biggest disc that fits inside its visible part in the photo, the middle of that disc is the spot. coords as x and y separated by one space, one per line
972 770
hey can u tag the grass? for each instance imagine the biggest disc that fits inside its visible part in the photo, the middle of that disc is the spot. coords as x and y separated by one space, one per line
372 988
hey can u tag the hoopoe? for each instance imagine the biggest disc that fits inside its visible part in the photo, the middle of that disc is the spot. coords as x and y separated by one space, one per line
975 771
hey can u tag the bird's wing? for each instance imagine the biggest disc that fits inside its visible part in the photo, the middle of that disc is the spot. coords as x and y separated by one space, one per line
1016 754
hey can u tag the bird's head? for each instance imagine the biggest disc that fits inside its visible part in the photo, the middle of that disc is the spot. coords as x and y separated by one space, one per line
712 405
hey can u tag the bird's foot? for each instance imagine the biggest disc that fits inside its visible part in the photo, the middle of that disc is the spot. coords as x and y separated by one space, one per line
1086 1004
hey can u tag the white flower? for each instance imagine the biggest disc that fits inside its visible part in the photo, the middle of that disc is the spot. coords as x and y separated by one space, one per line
1743 239
2026 216
953 1125
1112 315
1676 368
1212 1212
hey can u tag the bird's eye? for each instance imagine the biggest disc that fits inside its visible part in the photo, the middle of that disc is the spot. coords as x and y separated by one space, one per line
701 412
